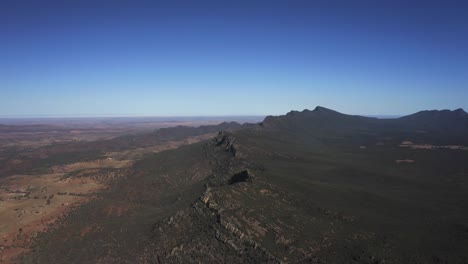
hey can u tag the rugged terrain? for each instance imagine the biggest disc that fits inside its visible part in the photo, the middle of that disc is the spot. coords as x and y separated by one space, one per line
39 184
308 187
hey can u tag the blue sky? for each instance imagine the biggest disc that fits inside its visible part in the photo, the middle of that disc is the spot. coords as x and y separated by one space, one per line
192 58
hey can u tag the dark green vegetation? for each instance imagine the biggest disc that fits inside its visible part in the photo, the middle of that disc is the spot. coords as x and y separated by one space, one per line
308 187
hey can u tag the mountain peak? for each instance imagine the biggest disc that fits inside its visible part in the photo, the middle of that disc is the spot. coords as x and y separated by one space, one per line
321 108
319 117
318 111
460 111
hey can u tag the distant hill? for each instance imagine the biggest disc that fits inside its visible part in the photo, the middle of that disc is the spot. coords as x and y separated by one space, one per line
443 127
319 118
455 121
184 131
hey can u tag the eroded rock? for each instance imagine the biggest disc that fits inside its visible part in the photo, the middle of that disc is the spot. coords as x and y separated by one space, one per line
227 141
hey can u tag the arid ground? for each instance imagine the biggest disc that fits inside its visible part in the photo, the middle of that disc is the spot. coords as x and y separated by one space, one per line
36 190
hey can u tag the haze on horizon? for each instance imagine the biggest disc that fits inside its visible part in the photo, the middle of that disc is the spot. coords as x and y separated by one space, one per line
211 58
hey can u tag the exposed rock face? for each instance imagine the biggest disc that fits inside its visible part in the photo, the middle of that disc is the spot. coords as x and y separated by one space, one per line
228 233
220 239
243 176
227 141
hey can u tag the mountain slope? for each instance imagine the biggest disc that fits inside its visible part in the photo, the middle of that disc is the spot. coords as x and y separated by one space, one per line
308 187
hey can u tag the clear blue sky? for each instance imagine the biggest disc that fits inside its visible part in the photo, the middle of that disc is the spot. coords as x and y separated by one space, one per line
231 57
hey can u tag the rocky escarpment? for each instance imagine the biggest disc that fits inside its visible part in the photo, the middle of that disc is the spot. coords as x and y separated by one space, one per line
228 222
227 141
219 238
228 233
243 217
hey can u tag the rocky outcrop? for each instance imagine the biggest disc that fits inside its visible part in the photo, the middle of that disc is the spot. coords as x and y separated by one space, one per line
228 233
227 141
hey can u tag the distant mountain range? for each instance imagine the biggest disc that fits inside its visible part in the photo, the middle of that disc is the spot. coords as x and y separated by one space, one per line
444 126
456 117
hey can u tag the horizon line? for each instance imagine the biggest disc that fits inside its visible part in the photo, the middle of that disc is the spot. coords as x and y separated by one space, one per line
172 116
125 116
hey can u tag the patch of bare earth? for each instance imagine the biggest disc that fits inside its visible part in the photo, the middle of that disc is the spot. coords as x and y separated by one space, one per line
95 164
30 203
139 152
411 145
